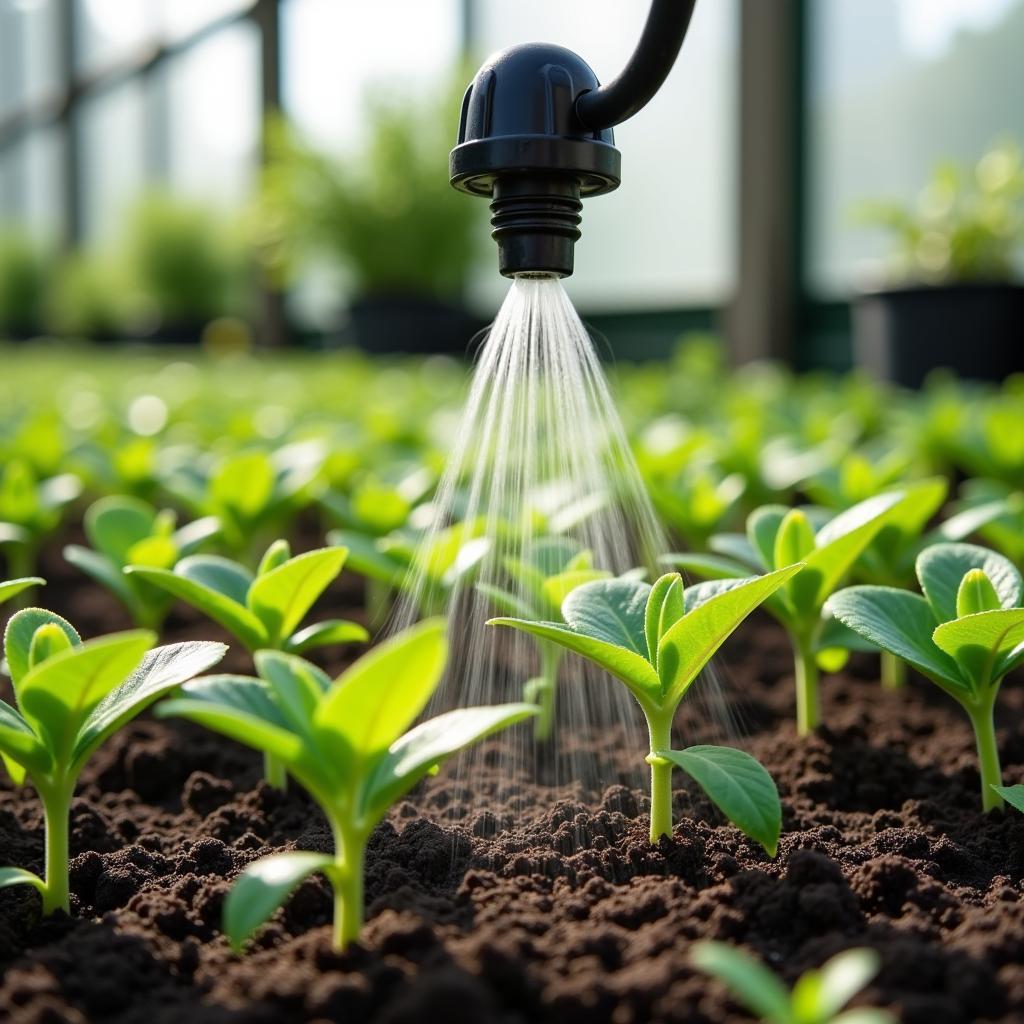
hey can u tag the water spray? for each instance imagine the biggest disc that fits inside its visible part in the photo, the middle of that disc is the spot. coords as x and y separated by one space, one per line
535 136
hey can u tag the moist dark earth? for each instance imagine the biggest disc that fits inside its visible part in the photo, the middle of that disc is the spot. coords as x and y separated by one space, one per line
525 901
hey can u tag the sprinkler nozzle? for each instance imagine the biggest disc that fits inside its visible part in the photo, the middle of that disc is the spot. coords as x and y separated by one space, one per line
522 144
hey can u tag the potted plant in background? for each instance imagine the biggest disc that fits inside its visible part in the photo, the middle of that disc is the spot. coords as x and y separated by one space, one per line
384 217
186 267
953 297
23 274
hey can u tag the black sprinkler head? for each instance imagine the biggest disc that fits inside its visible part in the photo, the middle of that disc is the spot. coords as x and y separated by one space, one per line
522 144
536 137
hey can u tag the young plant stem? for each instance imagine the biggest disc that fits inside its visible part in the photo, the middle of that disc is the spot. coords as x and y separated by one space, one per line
894 671
347 881
56 816
274 772
988 752
808 699
550 659
660 728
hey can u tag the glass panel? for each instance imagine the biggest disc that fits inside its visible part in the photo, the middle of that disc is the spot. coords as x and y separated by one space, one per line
895 87
12 74
44 155
108 31
111 132
214 115
12 185
180 18
332 53
665 237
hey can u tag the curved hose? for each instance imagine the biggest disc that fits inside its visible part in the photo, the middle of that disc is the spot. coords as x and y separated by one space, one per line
641 78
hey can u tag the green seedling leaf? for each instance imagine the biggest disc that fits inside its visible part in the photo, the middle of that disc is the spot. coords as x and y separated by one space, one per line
48 640
663 610
114 525
976 594
367 558
557 588
794 540
18 638
819 995
748 979
240 708
984 643
189 583
738 786
898 622
412 756
1013 795
689 645
612 611
277 554
221 575
58 694
632 669
20 746
379 697
942 567
11 588
326 634
161 671
263 886
705 566
105 572
763 526
19 876
281 596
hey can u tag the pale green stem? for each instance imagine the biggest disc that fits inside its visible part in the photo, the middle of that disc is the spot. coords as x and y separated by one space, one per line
57 815
347 881
275 772
660 728
808 699
894 671
988 753
544 723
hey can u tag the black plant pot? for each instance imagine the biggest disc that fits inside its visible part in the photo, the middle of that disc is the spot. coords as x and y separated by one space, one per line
410 323
975 330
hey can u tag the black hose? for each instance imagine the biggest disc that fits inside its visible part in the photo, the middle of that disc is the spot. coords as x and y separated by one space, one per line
640 79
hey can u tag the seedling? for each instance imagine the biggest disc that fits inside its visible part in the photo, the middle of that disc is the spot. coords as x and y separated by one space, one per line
778 536
550 570
250 493
346 744
11 588
656 639
71 697
964 634
265 610
428 571
126 531
694 503
818 997
1001 509
30 510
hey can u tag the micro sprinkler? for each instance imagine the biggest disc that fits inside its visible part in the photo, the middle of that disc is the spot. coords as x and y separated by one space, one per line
535 136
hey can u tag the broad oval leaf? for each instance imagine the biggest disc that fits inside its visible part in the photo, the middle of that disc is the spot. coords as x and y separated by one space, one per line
281 597
556 589
630 668
21 627
1013 795
411 756
161 670
981 643
942 567
57 696
220 574
739 786
240 708
297 687
374 702
612 611
688 646
899 622
116 523
262 887
234 617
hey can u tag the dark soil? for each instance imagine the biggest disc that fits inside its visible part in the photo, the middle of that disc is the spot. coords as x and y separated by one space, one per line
486 912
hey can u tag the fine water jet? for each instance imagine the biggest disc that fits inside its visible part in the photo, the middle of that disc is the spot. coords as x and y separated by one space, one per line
541 466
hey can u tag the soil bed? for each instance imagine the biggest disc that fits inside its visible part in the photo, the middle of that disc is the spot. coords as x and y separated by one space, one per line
486 912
